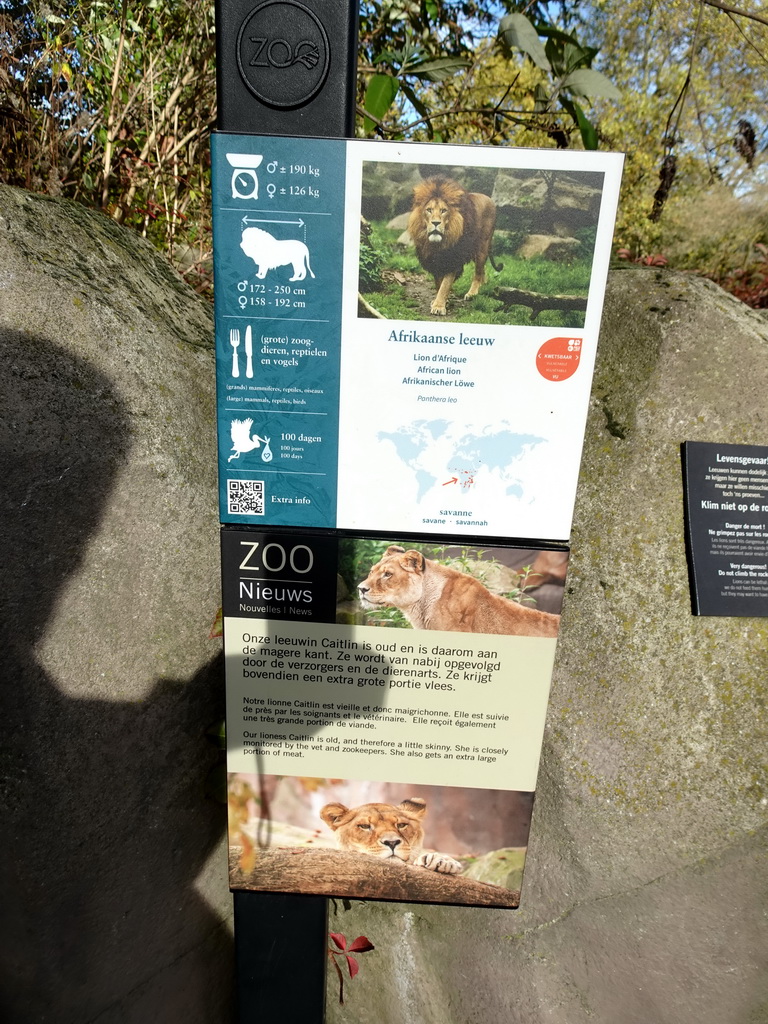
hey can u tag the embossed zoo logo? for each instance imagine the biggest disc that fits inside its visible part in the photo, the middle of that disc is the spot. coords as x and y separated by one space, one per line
283 53
279 53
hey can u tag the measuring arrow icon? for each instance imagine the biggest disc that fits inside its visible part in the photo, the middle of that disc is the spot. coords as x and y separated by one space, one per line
261 220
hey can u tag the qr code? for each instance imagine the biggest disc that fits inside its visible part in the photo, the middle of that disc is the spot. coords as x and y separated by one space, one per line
245 497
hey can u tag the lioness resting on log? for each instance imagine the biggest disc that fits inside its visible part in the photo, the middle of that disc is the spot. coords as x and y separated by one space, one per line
387 832
434 596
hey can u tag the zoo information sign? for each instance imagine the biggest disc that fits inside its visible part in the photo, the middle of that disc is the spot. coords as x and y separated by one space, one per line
406 333
726 519
417 743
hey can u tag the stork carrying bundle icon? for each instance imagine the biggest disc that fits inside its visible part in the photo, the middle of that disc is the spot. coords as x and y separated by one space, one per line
242 441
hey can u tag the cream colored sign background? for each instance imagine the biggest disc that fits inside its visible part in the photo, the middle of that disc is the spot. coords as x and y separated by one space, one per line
492 690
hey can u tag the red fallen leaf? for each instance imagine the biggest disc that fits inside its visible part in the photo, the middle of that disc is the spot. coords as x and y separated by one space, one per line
354 966
361 945
217 627
654 261
339 939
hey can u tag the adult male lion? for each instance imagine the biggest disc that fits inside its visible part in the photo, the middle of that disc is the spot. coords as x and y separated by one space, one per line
434 596
450 227
387 832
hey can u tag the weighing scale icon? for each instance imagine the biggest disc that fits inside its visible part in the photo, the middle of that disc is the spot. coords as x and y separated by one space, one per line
245 183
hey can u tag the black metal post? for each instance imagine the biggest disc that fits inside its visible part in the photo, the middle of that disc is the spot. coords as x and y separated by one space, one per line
284 67
280 957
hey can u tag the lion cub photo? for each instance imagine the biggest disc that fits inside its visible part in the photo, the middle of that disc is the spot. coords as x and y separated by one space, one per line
435 596
451 227
387 832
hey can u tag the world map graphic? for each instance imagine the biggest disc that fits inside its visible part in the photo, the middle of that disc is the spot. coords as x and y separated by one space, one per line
440 452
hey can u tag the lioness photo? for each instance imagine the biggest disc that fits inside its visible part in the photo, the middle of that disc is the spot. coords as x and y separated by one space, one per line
432 595
387 832
348 837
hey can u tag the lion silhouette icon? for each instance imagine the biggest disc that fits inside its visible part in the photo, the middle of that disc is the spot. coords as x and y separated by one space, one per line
268 253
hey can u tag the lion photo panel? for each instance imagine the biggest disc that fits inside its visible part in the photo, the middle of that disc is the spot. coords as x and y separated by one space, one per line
386 700
406 333
379 840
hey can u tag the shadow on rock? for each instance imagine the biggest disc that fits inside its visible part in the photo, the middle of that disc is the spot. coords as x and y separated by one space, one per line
107 825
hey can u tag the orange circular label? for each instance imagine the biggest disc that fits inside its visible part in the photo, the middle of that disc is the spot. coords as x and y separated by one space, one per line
558 358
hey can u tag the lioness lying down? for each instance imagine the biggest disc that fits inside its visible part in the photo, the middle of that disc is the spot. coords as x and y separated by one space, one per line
387 832
434 596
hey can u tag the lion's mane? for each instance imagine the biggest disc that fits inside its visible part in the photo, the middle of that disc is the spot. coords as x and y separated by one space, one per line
463 226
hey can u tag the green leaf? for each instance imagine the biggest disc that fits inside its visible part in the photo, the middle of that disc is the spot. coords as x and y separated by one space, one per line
518 33
414 99
588 82
438 70
555 36
217 734
566 56
540 98
217 626
549 32
587 129
379 97
389 57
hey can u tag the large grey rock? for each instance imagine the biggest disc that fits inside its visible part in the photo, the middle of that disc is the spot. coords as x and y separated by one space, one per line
114 894
645 896
645 891
546 202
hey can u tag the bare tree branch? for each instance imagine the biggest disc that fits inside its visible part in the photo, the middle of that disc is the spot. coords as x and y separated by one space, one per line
735 10
111 114
522 117
746 38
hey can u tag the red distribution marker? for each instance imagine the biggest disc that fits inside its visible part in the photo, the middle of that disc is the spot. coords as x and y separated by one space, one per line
558 358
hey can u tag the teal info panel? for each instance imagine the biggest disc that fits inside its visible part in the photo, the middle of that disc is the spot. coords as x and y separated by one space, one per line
278 219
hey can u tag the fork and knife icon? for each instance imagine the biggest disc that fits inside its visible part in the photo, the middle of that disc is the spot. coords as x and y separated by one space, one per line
234 340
